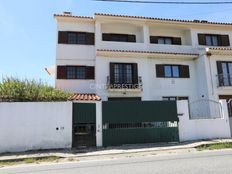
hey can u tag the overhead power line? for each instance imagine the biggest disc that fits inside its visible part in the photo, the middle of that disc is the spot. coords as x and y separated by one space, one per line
171 2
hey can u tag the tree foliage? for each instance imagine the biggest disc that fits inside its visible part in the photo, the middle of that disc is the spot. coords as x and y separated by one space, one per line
17 90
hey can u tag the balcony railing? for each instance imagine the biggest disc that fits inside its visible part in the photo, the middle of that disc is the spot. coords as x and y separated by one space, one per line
115 86
224 79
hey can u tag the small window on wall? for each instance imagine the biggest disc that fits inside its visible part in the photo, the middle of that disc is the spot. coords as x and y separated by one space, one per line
213 40
75 72
72 37
172 71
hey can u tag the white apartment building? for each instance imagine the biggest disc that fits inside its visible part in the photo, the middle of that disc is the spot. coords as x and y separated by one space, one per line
142 58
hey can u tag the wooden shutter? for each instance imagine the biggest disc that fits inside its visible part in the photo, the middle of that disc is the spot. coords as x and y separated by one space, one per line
106 36
89 72
62 37
90 38
112 73
154 39
135 73
224 40
201 39
219 67
176 41
159 70
184 71
131 38
61 72
220 73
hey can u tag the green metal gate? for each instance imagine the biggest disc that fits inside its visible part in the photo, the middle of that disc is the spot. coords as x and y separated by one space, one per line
131 122
84 124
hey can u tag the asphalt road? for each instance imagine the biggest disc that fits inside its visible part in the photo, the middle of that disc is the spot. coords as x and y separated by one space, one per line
188 163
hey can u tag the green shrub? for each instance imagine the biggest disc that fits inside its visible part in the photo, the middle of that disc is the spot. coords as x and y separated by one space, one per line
16 90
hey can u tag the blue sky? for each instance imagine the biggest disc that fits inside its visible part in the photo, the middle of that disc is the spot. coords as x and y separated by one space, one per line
27 28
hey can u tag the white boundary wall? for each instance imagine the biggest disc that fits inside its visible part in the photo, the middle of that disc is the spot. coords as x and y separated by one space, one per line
202 128
35 125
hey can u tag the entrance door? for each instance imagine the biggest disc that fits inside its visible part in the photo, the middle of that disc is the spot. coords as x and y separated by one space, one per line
84 134
84 125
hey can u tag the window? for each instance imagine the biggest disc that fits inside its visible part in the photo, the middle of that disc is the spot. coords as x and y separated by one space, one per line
80 72
213 40
76 38
82 38
124 74
165 40
224 73
118 37
71 74
75 72
172 71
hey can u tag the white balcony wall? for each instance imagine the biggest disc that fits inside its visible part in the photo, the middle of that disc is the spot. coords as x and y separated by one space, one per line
124 28
173 48
172 32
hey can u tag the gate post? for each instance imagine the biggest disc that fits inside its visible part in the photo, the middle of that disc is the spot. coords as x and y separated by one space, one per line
99 124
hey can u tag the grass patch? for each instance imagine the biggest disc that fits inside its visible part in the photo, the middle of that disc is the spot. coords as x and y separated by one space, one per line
29 160
214 146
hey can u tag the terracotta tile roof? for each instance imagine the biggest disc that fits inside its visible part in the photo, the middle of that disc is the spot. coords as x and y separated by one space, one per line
142 17
83 17
164 19
148 52
84 97
221 48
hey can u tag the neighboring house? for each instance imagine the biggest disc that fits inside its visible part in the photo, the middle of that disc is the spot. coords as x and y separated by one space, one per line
144 58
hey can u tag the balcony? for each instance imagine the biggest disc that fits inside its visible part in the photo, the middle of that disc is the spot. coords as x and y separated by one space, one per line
224 80
125 86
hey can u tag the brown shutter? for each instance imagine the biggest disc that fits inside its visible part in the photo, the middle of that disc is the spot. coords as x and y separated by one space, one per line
176 41
154 39
184 71
224 40
62 37
131 38
106 37
61 72
159 70
89 72
220 73
219 67
135 73
201 39
112 73
90 38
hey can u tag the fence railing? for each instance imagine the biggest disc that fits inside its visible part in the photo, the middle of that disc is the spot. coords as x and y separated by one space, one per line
205 109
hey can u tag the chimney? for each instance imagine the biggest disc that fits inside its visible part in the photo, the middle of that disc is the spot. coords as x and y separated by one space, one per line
67 13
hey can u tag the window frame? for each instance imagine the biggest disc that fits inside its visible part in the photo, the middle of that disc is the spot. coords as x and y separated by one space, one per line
75 74
211 39
165 40
77 41
122 79
171 71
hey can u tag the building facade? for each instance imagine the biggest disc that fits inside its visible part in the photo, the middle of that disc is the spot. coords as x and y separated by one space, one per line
141 58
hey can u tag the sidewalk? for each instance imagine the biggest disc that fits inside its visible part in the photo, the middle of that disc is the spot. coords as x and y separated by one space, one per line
110 151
